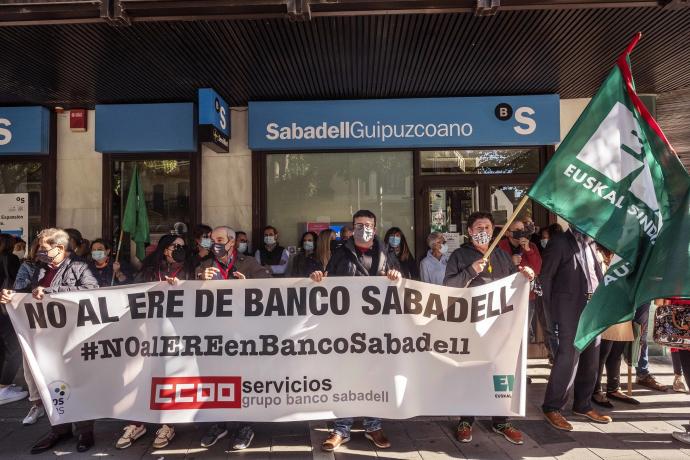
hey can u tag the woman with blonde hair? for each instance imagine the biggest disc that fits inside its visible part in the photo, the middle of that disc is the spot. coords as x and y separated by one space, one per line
324 247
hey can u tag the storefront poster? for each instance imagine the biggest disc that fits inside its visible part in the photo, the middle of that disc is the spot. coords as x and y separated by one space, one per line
277 350
14 214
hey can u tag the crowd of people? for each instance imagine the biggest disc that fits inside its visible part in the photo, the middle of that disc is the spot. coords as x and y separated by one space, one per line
564 268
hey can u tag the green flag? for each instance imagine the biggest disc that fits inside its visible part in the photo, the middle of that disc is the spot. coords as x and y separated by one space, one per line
135 221
616 178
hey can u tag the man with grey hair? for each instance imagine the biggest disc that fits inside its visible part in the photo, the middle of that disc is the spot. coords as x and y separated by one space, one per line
58 271
432 268
227 264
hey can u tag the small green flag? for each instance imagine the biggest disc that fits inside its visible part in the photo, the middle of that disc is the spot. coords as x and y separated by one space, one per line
616 178
135 220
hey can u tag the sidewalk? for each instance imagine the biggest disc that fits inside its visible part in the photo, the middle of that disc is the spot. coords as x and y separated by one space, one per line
638 432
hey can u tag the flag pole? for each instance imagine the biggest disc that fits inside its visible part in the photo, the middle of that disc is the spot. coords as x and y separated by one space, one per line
508 223
117 254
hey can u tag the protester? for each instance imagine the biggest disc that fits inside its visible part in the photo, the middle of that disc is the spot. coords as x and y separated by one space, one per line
432 268
10 351
107 271
242 243
346 232
684 360
467 267
75 241
569 275
59 272
361 255
524 253
270 254
170 262
305 261
201 243
19 248
643 375
227 264
532 230
324 247
21 283
399 255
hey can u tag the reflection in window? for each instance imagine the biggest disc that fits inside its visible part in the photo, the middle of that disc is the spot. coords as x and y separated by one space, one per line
330 187
485 161
504 199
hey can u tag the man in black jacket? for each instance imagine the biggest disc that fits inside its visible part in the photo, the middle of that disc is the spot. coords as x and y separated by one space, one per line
59 272
361 255
570 273
467 267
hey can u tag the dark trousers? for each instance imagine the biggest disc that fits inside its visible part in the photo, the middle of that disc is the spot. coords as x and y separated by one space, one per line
494 420
83 427
677 367
546 323
684 359
572 369
10 351
610 357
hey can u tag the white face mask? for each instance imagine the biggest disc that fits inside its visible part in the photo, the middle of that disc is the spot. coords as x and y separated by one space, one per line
444 248
242 247
544 243
19 254
308 245
98 255
269 240
482 238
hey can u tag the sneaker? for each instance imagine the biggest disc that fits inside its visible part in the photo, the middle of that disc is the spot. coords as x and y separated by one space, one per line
11 394
650 382
379 439
216 432
333 442
131 433
243 438
509 432
679 385
682 436
37 411
164 435
464 432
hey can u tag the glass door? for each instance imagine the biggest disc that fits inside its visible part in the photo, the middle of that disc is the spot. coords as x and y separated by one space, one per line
449 208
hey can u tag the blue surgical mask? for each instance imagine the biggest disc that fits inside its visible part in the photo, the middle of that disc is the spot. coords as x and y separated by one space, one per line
308 245
206 243
269 240
98 255
394 241
242 247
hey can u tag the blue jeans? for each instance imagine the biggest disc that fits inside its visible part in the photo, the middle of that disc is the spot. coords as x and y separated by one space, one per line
342 426
642 318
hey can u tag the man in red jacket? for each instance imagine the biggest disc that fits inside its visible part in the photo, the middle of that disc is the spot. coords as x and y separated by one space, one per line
524 254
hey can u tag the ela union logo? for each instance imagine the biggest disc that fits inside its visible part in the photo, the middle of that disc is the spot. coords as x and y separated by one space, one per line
503 385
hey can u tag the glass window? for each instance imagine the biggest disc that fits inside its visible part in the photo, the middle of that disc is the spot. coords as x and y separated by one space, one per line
504 199
483 161
25 177
166 185
330 187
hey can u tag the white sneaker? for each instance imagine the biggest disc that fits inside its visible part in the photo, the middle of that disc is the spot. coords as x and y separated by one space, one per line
131 434
12 393
164 435
37 411
678 385
682 436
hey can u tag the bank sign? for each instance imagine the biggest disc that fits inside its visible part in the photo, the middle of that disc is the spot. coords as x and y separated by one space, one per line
214 121
24 130
405 123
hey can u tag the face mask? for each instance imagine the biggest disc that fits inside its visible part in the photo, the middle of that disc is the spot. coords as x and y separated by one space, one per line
178 254
242 247
43 256
364 235
269 240
98 255
219 250
444 248
544 243
19 254
308 245
206 243
334 245
530 228
482 238
394 241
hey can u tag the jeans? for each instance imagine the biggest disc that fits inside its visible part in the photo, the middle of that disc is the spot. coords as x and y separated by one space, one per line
342 426
642 318
675 360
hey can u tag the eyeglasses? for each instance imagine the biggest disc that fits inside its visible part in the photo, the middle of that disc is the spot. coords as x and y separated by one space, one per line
367 226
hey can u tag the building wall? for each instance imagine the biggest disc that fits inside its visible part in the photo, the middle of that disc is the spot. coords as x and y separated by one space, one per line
226 178
79 178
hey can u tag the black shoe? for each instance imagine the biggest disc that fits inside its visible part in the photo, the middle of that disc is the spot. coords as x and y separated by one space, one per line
622 397
84 442
48 441
600 400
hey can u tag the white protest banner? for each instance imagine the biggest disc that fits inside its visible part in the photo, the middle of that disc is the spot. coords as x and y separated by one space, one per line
277 350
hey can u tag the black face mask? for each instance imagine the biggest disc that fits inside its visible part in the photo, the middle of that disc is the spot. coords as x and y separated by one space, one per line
334 245
219 250
179 254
